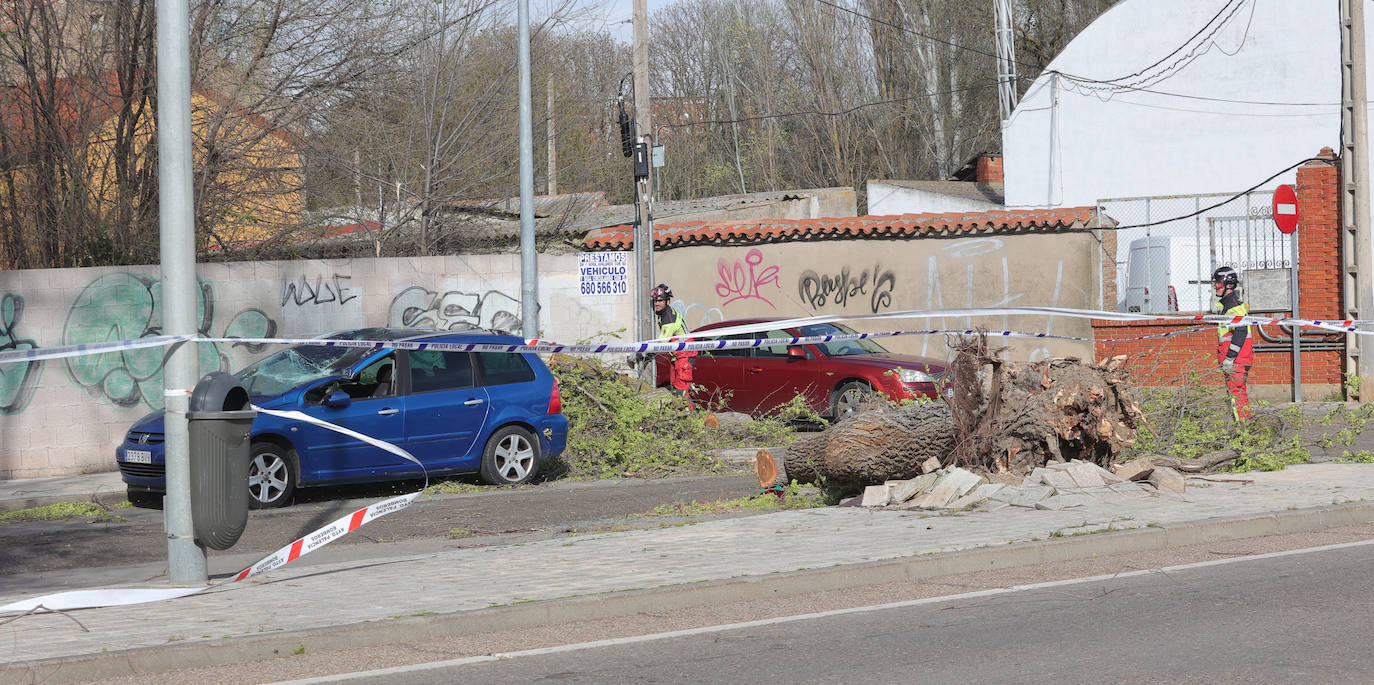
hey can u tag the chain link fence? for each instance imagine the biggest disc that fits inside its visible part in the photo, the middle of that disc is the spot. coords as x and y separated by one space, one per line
1167 266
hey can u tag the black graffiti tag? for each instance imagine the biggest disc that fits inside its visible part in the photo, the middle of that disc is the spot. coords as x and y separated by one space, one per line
819 290
301 291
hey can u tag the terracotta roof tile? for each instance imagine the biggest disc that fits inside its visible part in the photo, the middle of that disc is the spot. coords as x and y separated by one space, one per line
950 224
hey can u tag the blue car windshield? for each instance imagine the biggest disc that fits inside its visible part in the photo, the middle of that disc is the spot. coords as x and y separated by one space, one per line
293 366
840 348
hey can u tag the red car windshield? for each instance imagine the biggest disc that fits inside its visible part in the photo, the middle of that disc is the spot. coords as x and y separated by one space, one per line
840 348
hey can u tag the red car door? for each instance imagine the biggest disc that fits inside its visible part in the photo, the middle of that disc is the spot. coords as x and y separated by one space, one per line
773 376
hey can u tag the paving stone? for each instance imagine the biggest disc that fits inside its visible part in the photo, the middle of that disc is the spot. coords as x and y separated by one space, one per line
913 487
1135 469
1060 502
876 496
1167 479
931 465
955 483
1028 495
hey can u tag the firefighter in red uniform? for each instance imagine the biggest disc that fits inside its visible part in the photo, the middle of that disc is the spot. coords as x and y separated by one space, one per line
672 326
1235 345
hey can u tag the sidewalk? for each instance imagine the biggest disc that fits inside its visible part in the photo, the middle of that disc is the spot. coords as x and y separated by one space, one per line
106 488
343 603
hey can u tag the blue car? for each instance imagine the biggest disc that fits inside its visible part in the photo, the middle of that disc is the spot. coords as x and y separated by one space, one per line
496 414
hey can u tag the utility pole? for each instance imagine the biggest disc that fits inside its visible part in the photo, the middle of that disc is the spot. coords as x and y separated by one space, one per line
529 266
1359 253
186 561
551 185
644 134
1006 59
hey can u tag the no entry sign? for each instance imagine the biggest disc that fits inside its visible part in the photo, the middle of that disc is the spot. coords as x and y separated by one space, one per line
1286 209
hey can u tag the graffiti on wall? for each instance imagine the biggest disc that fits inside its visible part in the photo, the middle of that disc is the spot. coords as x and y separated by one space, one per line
127 306
18 380
743 280
873 285
321 291
419 307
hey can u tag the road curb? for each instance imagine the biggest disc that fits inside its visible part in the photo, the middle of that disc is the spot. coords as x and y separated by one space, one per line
610 605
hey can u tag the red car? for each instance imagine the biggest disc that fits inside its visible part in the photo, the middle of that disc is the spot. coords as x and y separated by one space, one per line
834 377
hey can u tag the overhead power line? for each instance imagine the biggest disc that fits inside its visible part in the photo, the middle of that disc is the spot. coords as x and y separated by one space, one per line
1109 83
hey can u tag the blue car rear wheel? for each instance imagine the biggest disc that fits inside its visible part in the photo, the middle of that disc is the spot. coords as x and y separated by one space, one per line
511 457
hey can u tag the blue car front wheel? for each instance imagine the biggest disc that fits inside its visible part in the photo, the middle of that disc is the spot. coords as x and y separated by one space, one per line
511 456
271 475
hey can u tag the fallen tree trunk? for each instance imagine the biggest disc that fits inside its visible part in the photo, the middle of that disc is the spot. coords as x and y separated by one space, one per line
873 446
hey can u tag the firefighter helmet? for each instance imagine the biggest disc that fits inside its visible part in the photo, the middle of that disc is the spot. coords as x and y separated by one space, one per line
1226 275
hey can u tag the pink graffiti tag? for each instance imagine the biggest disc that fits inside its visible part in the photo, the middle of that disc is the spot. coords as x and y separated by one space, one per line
738 282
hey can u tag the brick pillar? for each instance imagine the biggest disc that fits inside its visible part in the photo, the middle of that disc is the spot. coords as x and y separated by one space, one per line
1320 281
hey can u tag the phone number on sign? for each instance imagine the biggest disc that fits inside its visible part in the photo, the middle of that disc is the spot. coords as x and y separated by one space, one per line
606 288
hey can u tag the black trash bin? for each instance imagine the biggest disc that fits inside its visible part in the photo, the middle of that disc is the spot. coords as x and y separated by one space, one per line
220 422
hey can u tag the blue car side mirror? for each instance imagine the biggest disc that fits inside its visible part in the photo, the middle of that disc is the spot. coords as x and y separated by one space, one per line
338 400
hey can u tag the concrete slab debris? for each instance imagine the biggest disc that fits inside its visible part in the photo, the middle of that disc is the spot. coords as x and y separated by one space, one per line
1052 477
1167 479
1084 474
1135 469
987 490
1028 495
908 489
1130 489
955 483
969 500
876 496
1061 502
931 465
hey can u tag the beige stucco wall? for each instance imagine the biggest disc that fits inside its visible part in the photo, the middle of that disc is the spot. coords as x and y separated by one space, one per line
789 280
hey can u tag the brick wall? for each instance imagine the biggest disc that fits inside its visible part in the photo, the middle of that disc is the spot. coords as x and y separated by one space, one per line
1192 354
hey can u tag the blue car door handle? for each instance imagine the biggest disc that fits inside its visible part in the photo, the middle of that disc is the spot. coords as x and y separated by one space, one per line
388 412
473 402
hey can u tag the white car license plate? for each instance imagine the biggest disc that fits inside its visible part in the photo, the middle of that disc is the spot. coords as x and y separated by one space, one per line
138 456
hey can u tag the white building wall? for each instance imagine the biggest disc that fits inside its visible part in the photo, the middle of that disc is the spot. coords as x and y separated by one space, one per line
1261 94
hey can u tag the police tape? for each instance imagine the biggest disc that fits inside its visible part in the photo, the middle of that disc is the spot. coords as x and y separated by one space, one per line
91 599
673 345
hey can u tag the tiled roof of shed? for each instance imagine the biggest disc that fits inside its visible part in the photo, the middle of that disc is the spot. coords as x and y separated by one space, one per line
951 224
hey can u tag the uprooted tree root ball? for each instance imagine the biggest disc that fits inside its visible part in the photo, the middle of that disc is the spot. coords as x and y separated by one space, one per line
996 416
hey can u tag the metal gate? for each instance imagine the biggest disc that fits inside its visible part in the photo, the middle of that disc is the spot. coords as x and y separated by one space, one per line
1168 246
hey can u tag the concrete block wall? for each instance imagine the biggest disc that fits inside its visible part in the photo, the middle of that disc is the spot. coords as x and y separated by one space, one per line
1193 355
65 416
